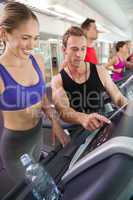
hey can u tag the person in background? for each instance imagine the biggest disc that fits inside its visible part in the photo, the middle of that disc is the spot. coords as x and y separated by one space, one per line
129 46
90 30
129 61
77 89
22 89
118 62
130 58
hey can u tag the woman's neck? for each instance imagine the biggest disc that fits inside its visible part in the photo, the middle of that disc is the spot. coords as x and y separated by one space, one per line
121 55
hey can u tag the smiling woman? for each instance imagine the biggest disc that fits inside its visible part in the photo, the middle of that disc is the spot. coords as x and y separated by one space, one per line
24 39
22 89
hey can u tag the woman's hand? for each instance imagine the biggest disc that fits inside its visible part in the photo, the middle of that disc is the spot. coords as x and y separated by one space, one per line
58 132
52 114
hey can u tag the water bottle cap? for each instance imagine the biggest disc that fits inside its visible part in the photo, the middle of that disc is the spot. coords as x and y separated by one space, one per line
25 159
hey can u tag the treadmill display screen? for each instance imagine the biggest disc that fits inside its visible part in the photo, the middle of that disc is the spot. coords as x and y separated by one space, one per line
107 131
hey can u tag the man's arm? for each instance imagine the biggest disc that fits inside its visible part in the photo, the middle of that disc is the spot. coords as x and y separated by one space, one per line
111 88
61 101
68 114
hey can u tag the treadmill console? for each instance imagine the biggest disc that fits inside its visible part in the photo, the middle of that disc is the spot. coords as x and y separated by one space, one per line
114 138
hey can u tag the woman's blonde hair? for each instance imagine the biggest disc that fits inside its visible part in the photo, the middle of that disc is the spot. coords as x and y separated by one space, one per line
14 13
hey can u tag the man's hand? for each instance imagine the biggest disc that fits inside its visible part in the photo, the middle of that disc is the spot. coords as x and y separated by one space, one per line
58 132
93 121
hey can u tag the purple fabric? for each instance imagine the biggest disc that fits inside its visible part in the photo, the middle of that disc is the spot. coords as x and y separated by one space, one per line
120 65
17 96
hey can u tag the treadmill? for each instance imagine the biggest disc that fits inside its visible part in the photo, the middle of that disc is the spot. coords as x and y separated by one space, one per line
127 88
99 167
102 169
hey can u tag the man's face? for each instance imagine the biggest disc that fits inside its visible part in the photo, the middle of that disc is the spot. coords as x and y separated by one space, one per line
92 32
75 50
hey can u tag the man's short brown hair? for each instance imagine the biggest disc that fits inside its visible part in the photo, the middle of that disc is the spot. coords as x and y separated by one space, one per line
73 31
86 24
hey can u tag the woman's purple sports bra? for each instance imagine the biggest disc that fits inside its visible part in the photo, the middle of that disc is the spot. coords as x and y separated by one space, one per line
16 96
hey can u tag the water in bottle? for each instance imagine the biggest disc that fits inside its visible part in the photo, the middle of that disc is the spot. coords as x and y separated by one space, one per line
44 187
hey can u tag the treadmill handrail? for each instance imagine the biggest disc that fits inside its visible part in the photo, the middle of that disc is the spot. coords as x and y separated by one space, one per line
126 82
122 145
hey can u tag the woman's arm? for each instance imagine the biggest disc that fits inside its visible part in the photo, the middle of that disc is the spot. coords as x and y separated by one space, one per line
53 115
51 112
110 64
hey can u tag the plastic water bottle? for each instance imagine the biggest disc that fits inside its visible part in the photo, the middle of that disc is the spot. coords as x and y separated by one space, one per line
44 187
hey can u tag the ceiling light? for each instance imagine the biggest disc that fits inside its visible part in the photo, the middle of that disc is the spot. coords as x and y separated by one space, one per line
67 12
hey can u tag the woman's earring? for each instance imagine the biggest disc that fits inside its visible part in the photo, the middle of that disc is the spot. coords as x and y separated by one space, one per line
4 38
